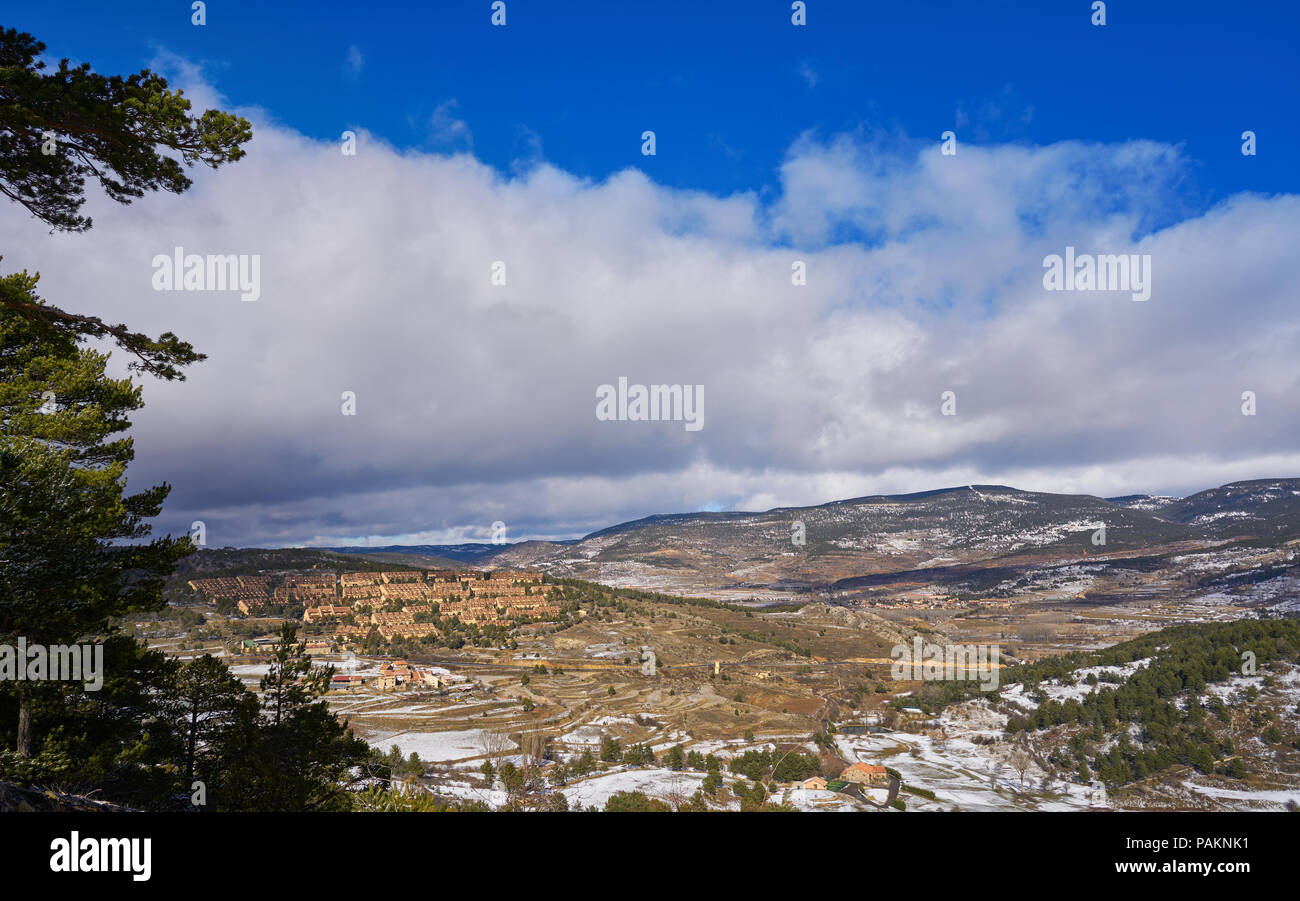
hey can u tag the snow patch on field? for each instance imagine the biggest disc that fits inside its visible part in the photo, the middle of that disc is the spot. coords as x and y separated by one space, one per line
1056 690
1260 795
811 799
962 774
435 747
468 791
656 783
588 736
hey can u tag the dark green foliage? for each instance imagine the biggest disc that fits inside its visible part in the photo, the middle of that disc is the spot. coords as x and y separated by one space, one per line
639 755
611 751
778 766
130 134
1185 659
635 802
73 554
108 128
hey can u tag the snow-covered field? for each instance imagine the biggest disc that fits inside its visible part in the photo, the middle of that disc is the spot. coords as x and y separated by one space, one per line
435 747
808 799
250 673
470 791
962 774
656 783
1262 796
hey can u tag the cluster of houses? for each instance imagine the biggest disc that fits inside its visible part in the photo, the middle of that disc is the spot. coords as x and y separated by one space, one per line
857 773
857 779
353 599
255 595
392 675
864 775
916 599
399 675
249 593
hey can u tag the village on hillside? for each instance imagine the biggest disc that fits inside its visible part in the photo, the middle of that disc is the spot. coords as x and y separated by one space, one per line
346 608
518 690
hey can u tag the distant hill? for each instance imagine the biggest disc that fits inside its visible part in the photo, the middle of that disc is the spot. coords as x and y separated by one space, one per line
401 558
1259 508
252 561
922 532
846 538
854 541
1151 503
452 555
249 561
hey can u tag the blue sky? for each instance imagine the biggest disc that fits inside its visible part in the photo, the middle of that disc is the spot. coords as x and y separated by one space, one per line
475 401
728 85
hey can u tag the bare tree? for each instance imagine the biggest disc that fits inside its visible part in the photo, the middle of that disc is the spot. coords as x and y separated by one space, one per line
1021 760
493 744
676 793
532 746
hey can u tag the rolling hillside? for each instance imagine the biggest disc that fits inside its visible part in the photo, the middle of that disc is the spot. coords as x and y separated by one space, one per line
1260 508
946 530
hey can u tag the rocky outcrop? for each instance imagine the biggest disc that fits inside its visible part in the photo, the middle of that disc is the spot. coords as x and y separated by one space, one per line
16 799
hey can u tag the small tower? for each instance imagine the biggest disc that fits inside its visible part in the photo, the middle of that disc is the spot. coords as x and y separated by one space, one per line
1097 795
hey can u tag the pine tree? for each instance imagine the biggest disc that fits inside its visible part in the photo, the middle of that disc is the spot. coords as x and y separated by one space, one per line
130 134
205 702
72 551
308 752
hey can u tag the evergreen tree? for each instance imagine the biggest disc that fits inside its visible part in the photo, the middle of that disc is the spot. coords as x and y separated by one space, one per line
206 701
130 134
65 572
309 752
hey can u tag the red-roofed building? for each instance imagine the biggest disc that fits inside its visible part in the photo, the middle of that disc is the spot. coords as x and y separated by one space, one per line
865 774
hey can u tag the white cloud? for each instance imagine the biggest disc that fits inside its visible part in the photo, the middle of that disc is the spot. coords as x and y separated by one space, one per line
476 402
354 62
447 130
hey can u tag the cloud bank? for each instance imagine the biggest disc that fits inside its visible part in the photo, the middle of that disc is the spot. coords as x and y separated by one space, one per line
475 401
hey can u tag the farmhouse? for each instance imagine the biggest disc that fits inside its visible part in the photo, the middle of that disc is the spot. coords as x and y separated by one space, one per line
865 774
347 683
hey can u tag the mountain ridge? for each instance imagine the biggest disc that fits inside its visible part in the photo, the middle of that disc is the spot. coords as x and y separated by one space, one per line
946 529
